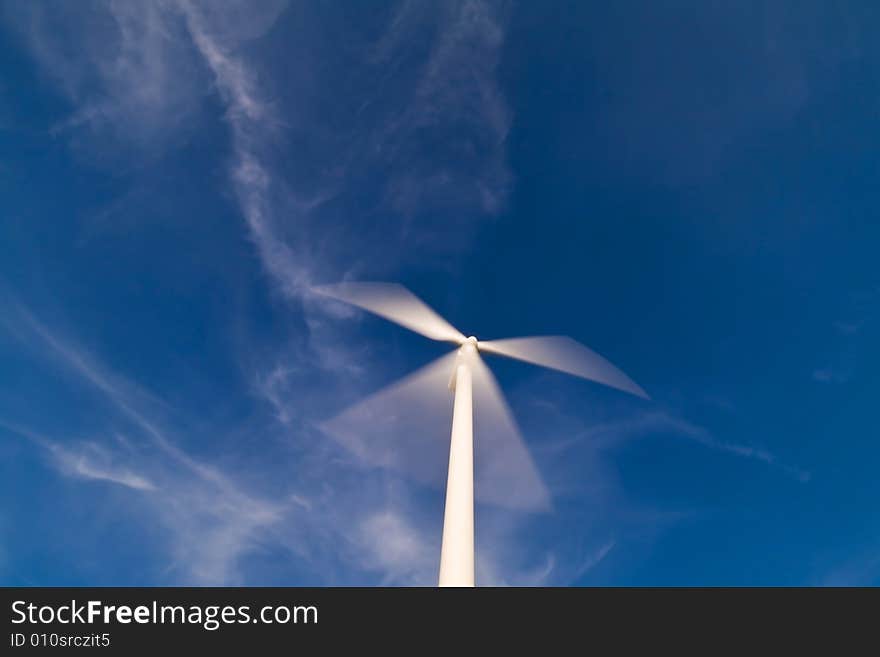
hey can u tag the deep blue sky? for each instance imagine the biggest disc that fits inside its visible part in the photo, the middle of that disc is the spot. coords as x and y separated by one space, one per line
688 188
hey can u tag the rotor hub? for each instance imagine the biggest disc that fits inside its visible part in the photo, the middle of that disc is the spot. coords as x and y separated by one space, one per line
470 345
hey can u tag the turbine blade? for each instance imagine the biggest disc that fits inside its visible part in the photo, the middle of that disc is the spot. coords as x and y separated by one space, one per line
566 355
406 428
504 472
397 304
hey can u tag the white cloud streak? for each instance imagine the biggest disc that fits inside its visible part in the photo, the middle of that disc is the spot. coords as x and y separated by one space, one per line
90 461
251 119
653 422
458 87
395 548
84 460
122 65
212 522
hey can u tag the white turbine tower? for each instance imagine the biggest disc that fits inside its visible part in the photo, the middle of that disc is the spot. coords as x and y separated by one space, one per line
411 408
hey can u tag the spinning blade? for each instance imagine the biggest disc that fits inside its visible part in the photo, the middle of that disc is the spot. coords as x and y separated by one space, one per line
566 355
397 304
504 472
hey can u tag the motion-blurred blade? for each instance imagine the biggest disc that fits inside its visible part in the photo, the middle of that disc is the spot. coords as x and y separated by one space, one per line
504 472
406 428
566 355
396 303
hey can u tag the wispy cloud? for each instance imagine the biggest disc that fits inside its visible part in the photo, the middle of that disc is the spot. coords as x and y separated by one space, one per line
451 101
704 437
123 67
128 68
392 546
554 570
209 526
126 397
211 520
593 560
252 120
606 435
90 461
458 89
84 460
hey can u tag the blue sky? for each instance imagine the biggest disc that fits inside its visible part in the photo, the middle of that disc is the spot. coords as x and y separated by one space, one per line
690 190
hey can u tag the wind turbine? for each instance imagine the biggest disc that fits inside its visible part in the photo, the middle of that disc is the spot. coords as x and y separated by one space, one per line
507 471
